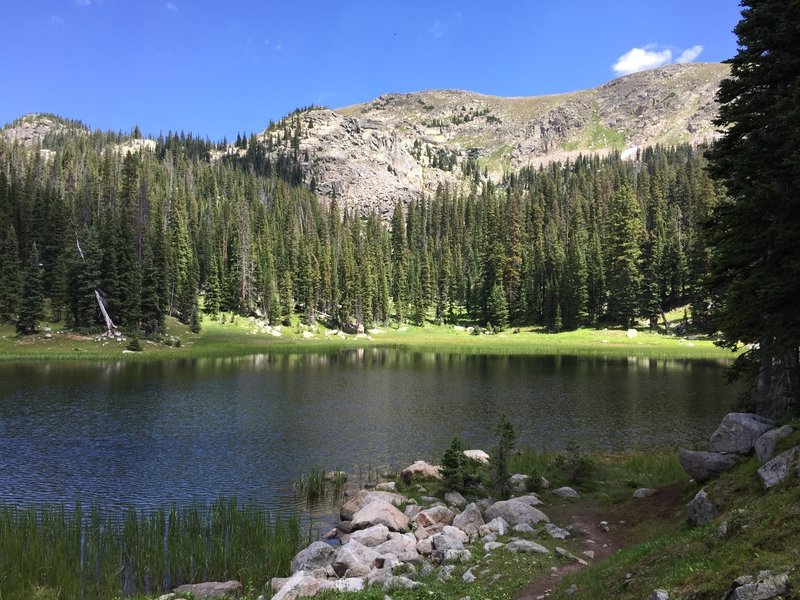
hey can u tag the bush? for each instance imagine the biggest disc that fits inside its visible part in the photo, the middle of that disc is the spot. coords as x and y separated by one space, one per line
576 465
453 465
134 345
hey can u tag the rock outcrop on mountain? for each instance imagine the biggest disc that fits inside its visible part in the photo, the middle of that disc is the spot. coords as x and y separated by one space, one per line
401 145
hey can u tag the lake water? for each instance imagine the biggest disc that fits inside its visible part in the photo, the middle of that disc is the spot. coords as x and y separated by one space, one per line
146 434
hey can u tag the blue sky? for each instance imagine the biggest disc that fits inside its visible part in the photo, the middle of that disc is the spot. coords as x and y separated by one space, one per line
219 67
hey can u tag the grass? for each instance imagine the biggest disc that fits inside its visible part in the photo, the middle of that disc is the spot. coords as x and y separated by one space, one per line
66 553
763 527
320 486
243 337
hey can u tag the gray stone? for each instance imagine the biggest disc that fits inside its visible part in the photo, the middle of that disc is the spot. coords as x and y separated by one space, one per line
365 497
703 466
317 556
519 482
371 536
386 486
380 512
468 576
738 433
446 573
300 585
567 554
523 528
435 514
412 510
566 492
526 546
348 584
398 582
211 589
497 525
555 532
766 587
701 509
455 499
470 520
529 499
780 467
514 512
398 545
489 546
659 595
420 469
765 444
644 493
354 559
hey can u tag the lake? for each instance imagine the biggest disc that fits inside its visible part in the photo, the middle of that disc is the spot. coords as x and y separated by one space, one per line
145 434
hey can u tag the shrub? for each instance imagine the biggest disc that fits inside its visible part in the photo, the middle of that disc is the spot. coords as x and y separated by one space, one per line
500 457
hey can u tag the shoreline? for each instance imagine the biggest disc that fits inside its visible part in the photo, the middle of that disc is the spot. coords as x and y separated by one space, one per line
245 338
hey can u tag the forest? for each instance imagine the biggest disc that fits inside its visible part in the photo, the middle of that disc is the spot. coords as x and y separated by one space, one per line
90 228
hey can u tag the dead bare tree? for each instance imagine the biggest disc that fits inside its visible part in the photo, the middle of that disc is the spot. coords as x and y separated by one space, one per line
98 295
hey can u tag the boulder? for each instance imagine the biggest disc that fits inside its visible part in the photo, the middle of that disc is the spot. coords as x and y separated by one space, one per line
455 499
566 492
301 585
412 510
555 532
317 556
764 587
659 595
703 466
211 589
497 525
643 493
529 499
386 486
738 433
523 528
364 497
701 509
489 546
519 483
380 512
514 512
354 559
526 546
398 544
435 514
420 469
470 520
765 444
478 455
780 467
371 536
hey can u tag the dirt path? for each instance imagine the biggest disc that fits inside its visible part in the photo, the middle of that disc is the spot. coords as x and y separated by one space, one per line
603 531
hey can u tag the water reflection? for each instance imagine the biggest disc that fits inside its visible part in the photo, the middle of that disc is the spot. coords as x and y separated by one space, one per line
192 430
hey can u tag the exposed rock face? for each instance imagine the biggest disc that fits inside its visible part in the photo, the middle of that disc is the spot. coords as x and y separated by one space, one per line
701 509
703 466
399 146
738 433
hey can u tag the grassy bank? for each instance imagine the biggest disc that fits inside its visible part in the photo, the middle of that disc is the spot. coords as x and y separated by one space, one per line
242 336
49 553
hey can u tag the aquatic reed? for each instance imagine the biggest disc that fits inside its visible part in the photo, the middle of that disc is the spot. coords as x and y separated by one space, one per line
61 552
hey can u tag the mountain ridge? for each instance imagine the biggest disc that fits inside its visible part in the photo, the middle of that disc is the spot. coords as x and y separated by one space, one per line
399 146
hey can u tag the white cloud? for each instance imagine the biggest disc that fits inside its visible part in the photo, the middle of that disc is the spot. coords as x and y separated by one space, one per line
55 20
689 54
83 2
278 46
171 6
437 30
641 59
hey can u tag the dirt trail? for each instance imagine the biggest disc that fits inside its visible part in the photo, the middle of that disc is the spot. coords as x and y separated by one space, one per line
587 525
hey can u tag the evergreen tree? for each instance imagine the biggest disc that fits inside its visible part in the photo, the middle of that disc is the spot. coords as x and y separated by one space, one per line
755 232
496 312
10 277
32 309
622 275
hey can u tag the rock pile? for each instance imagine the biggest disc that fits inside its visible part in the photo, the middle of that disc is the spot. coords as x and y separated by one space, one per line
384 547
